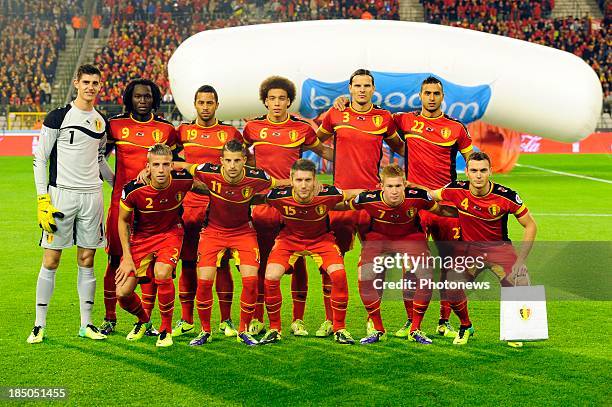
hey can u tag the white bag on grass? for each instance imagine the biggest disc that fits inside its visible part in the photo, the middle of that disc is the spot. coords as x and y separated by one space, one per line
523 314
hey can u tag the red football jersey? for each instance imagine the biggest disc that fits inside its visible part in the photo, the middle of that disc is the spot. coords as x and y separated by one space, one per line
394 221
156 210
431 147
230 204
278 145
484 218
132 139
307 221
203 144
358 144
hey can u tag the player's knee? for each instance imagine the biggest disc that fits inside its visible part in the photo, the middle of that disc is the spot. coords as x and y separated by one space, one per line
163 272
85 258
124 291
51 259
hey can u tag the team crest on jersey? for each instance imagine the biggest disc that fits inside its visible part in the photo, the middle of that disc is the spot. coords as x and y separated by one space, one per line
246 192
222 136
321 210
377 120
446 132
98 124
293 135
493 210
157 135
411 212
525 313
179 197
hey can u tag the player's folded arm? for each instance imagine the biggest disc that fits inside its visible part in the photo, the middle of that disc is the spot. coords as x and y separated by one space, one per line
445 210
259 199
199 188
395 142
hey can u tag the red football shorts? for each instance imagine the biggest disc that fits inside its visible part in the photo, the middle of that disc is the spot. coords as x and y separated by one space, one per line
193 219
159 248
499 258
440 228
242 244
324 251
345 224
377 244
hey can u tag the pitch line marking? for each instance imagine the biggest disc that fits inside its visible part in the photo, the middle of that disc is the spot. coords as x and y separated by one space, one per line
567 174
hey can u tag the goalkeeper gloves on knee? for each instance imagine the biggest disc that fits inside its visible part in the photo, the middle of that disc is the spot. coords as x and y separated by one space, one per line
47 214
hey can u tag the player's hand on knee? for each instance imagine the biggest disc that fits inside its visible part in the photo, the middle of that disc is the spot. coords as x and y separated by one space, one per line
47 213
126 268
519 276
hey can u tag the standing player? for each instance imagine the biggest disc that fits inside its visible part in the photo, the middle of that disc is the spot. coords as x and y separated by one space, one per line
151 248
483 208
395 228
306 232
131 134
432 142
278 140
202 141
228 227
358 132
70 202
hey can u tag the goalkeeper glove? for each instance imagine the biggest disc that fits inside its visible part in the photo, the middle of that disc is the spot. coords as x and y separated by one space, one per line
47 214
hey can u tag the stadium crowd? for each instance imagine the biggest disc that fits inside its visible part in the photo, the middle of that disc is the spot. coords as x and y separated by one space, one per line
529 21
33 33
144 34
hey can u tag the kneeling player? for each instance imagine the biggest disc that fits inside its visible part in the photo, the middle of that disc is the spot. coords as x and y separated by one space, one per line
151 250
484 207
395 228
228 227
306 232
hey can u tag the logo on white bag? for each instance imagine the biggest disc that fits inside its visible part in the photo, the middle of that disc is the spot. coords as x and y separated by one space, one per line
525 313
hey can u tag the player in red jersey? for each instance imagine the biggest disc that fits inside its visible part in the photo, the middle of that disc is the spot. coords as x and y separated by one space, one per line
395 228
358 132
432 142
278 140
151 248
201 141
306 232
228 227
483 208
131 134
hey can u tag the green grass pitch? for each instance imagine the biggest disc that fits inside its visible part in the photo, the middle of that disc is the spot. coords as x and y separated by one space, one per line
572 367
